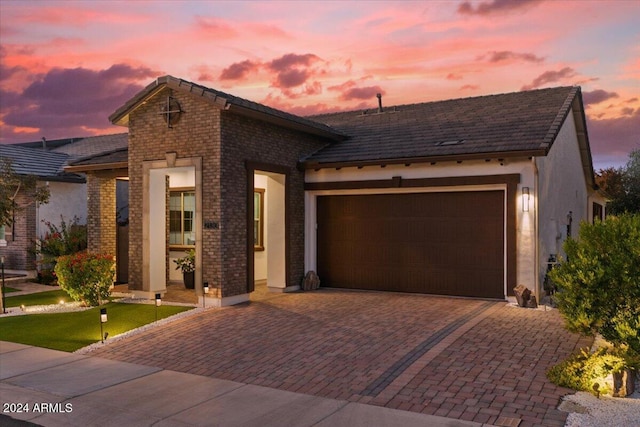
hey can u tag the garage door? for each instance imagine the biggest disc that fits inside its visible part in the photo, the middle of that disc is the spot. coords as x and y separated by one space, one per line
436 243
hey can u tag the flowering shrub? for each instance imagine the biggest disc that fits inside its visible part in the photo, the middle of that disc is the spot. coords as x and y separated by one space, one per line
64 240
86 277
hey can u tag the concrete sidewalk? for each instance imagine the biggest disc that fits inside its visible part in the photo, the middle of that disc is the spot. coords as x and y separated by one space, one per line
54 388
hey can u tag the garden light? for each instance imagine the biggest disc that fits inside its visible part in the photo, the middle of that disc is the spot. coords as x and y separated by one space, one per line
158 300
103 319
205 291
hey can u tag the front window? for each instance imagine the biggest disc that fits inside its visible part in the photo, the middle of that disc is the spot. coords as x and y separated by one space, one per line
3 241
182 212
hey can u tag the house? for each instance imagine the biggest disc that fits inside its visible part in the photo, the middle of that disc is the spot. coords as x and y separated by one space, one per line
67 198
465 197
68 195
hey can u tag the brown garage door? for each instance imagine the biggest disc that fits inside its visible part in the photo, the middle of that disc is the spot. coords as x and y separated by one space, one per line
436 243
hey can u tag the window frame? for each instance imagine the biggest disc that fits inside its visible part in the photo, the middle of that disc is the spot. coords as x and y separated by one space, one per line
259 246
182 191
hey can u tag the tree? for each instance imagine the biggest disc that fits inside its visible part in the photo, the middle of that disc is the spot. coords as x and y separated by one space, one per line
622 185
11 185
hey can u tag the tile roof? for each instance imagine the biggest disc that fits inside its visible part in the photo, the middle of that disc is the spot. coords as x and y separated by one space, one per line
116 159
36 161
521 122
89 146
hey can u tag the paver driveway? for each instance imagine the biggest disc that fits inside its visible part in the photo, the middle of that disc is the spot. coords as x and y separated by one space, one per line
458 358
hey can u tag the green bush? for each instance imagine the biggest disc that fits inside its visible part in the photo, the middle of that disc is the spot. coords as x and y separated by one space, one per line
599 282
60 240
86 277
587 371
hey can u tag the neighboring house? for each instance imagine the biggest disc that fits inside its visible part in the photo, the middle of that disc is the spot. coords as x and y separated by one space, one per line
465 197
46 160
67 198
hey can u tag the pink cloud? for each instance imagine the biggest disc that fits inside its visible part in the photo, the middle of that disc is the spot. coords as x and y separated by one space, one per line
215 28
239 70
453 76
66 100
551 77
597 96
290 60
495 6
469 87
506 55
618 136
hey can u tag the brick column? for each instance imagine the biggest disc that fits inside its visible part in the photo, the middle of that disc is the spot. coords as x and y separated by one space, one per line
101 214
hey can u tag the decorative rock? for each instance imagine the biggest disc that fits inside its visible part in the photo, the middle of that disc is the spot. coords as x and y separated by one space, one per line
623 383
311 281
532 303
522 295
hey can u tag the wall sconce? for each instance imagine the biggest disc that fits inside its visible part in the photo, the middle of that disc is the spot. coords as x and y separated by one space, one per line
525 199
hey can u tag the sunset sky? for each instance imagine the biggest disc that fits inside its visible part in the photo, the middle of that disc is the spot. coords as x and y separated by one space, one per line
65 66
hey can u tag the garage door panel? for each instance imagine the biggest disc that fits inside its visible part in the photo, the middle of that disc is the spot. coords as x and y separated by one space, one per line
439 243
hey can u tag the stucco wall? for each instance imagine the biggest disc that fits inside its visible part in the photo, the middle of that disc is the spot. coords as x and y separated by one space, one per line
525 221
561 188
67 200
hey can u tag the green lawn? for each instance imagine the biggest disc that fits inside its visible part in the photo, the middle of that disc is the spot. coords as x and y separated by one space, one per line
39 298
74 330
9 289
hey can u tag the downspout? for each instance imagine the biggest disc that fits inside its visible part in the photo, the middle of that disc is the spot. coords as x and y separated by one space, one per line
536 228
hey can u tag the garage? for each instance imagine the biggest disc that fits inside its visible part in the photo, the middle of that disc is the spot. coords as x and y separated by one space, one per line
444 243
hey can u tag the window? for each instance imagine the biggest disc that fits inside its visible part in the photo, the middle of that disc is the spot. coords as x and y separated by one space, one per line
182 212
258 219
3 241
598 212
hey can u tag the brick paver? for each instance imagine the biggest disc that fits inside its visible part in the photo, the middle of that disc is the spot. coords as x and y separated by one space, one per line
458 358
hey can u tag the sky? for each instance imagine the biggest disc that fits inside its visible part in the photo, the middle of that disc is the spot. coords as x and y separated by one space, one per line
65 66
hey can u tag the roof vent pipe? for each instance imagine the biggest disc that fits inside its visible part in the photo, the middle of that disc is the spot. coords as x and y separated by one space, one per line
44 143
379 95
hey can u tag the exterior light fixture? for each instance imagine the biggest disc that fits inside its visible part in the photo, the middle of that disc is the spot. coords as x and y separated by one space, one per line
103 319
205 291
158 304
525 199
61 302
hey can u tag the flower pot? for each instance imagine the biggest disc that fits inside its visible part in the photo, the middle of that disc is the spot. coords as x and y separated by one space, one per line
189 280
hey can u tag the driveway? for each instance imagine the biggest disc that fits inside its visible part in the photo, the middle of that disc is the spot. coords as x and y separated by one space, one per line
459 358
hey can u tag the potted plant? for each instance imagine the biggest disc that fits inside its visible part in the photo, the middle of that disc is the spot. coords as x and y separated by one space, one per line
188 266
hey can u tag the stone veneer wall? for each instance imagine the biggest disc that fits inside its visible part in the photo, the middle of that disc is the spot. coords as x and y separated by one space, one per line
198 133
101 224
248 139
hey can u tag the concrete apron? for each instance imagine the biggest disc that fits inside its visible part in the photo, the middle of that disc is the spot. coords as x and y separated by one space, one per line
54 388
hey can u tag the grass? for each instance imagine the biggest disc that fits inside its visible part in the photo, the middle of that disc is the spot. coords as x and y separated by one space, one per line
74 330
39 298
9 289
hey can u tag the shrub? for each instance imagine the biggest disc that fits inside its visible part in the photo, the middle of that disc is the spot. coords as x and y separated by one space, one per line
86 277
57 241
599 282
588 371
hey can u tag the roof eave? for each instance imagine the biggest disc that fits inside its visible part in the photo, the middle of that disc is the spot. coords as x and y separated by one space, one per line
423 159
96 167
